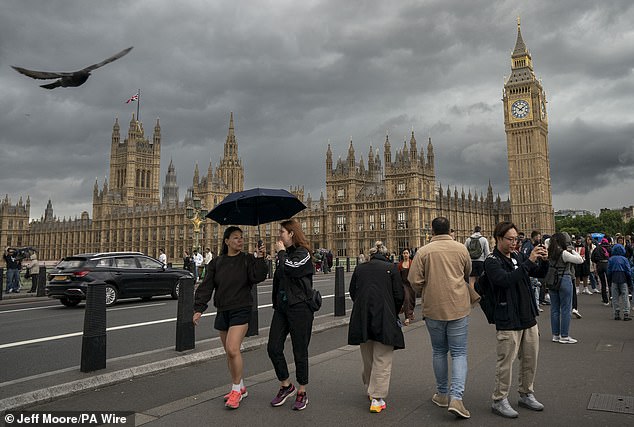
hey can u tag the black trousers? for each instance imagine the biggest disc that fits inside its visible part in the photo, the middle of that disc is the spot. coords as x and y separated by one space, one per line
298 321
602 272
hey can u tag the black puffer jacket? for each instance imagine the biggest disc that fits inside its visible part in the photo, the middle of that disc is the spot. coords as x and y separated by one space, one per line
293 276
510 278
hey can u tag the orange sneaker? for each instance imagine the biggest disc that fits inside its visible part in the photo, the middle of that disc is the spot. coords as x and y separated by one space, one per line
243 392
233 402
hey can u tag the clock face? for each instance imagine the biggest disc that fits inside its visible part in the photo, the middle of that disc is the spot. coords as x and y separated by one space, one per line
519 109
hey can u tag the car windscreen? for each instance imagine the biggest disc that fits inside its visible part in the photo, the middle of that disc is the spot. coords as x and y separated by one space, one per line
67 263
150 263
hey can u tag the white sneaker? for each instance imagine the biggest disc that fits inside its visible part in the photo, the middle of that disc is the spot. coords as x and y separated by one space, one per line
556 338
596 291
540 309
576 313
587 291
567 340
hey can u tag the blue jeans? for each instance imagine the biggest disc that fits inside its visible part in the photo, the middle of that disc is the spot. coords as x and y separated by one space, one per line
449 336
561 307
13 280
593 280
619 290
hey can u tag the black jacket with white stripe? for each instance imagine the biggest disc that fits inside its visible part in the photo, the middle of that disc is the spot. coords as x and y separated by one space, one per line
293 278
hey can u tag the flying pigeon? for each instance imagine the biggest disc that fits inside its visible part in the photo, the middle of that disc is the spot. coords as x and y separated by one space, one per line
72 79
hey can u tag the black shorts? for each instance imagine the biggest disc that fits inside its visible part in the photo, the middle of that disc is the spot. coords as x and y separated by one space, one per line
477 268
226 319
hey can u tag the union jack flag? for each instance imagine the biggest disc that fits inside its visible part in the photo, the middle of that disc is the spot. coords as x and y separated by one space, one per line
134 97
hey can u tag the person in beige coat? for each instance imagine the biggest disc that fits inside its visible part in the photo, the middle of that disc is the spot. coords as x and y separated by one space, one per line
441 270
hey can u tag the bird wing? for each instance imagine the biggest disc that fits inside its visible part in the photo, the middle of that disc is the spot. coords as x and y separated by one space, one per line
56 83
44 75
109 60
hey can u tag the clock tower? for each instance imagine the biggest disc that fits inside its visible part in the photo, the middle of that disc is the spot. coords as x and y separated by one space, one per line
526 127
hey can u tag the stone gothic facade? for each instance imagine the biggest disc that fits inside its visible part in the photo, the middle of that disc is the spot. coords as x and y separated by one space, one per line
128 212
393 200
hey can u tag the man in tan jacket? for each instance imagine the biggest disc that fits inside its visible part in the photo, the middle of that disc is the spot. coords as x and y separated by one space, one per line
441 269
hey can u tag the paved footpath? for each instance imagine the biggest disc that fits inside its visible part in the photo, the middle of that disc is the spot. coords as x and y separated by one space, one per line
568 375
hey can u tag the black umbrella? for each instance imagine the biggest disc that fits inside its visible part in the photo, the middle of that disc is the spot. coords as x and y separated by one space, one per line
256 206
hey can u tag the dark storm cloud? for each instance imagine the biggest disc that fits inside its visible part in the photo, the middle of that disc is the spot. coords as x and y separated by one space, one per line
300 74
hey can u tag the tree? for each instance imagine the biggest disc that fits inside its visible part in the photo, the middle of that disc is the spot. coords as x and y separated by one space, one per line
612 222
629 227
583 225
573 231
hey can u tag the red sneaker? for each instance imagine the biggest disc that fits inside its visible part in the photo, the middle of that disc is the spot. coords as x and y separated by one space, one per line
233 402
243 392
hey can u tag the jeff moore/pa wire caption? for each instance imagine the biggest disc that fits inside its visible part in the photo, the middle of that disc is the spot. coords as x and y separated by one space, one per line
69 418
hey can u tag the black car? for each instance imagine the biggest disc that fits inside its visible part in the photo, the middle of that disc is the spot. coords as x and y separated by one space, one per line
126 275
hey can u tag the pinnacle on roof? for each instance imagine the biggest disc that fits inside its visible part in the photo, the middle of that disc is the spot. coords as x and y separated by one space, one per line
520 46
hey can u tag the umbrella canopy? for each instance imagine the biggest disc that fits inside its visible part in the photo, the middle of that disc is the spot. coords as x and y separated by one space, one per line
256 206
598 236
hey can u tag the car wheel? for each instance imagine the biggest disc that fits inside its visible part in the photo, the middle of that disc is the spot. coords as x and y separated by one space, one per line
69 302
176 290
111 295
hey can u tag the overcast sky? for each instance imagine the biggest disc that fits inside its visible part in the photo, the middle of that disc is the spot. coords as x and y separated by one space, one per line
298 74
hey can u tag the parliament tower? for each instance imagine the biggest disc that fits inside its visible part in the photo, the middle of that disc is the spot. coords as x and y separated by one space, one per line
526 126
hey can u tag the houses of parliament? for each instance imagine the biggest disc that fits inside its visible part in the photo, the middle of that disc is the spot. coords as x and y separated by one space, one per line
393 196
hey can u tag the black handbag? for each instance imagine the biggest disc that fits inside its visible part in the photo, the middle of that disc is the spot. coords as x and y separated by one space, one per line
314 302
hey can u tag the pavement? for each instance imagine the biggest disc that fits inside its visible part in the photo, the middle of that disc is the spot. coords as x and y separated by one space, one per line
165 388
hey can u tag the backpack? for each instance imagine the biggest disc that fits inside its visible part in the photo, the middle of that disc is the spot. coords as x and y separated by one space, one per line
598 254
475 248
554 275
487 297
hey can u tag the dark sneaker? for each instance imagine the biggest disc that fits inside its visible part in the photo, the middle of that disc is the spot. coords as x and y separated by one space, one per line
283 394
627 318
301 401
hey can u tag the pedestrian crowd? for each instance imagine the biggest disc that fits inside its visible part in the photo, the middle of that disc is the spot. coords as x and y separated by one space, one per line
525 274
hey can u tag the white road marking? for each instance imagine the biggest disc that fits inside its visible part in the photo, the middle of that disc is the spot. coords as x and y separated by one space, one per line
113 328
136 306
27 309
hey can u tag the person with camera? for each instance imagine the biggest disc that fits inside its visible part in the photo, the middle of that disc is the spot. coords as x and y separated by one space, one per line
13 270
517 333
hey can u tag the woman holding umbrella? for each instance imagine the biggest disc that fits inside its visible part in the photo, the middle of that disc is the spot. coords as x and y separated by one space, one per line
230 277
292 287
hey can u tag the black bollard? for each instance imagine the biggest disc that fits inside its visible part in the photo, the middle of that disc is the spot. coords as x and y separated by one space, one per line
340 297
93 344
347 264
1 282
185 335
41 282
337 262
254 322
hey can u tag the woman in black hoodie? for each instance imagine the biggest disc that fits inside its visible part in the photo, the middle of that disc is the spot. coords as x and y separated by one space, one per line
292 288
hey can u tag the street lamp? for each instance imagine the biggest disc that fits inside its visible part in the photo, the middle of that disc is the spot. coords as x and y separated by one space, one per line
426 230
197 216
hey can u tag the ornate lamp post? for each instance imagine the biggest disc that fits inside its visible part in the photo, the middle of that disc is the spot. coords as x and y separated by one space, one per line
426 229
196 214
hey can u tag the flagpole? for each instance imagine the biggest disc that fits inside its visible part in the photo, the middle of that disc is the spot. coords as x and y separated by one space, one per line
138 104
